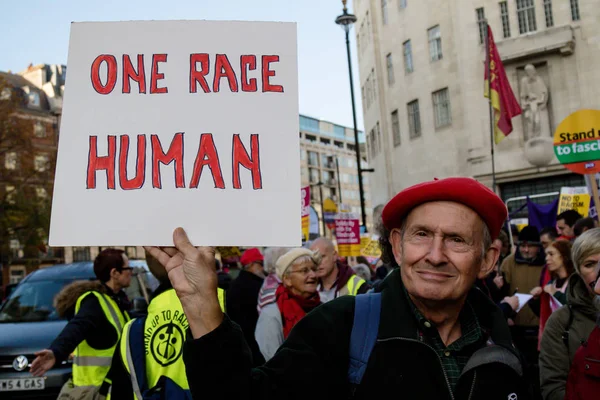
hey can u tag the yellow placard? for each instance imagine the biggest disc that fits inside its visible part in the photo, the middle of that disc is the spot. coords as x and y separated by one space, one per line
305 227
329 206
371 248
577 142
227 252
579 202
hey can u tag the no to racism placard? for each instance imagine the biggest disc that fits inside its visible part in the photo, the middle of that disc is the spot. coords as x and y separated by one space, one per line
179 123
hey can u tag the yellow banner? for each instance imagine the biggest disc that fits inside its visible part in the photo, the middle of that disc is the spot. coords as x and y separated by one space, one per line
227 252
305 226
349 250
574 198
371 246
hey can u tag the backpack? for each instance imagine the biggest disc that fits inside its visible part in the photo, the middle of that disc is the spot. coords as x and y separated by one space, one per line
365 327
166 388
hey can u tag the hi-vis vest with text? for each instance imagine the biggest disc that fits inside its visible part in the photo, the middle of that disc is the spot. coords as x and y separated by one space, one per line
151 349
90 365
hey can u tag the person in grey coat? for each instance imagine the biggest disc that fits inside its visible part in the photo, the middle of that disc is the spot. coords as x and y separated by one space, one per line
296 295
571 324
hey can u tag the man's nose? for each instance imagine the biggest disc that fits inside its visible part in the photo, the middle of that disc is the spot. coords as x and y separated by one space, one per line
436 254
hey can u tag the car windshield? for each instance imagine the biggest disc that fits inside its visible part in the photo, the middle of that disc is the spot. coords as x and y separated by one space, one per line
32 302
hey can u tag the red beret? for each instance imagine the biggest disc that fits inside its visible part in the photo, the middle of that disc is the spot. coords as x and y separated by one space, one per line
465 191
251 256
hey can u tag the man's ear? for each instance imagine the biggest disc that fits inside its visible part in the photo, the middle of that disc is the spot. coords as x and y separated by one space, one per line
490 258
113 273
395 240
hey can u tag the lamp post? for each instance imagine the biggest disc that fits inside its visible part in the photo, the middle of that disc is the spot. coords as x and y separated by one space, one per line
345 21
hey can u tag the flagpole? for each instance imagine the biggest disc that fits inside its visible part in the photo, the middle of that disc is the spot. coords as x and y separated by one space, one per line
491 110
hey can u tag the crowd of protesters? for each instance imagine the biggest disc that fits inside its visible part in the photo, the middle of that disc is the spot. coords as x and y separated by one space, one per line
452 309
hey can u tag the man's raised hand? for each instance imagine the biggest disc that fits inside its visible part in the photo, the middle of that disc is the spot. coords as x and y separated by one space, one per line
192 273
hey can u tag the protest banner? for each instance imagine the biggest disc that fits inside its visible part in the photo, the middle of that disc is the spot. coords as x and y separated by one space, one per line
577 145
369 248
347 234
305 203
329 212
229 252
574 198
179 123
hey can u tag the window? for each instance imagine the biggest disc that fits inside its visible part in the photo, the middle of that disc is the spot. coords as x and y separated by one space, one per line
384 13
309 124
10 160
41 193
34 99
575 10
526 14
81 254
505 20
390 69
441 108
482 23
39 130
396 128
548 13
402 3
16 275
10 194
435 43
313 175
40 163
302 154
408 61
414 119
313 158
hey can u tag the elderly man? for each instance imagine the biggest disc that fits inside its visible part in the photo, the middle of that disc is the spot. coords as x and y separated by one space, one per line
438 338
335 278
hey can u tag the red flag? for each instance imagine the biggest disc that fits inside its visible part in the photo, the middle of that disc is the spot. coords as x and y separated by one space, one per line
503 100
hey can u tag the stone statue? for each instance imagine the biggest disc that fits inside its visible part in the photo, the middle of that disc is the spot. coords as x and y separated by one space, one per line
534 98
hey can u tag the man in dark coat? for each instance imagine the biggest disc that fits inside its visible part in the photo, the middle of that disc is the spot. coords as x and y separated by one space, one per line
438 338
242 298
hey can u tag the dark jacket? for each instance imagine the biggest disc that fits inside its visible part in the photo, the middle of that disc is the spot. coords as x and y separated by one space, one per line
584 378
579 319
313 361
242 298
89 323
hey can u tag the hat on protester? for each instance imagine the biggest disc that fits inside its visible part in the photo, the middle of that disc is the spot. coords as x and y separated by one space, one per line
529 234
286 260
466 191
252 256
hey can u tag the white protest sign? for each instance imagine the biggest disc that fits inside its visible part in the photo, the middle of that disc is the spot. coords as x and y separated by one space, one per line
179 123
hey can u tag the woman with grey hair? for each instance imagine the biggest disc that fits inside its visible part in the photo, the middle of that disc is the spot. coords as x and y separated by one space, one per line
570 325
295 296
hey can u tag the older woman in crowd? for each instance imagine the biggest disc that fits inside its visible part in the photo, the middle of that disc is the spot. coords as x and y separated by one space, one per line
570 325
295 296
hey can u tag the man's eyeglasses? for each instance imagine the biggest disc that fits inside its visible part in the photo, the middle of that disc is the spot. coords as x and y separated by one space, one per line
125 269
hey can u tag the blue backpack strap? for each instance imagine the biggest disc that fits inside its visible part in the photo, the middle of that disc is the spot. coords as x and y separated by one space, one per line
138 355
367 311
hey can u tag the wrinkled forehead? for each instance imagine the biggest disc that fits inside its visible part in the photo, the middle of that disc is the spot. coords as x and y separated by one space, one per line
445 215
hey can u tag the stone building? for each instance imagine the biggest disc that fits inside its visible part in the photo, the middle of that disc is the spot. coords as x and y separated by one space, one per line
328 155
421 66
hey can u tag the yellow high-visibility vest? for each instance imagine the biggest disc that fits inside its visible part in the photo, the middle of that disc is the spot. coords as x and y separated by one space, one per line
354 284
164 336
91 365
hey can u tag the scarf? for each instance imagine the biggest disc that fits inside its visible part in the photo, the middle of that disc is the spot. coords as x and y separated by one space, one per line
548 304
293 308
